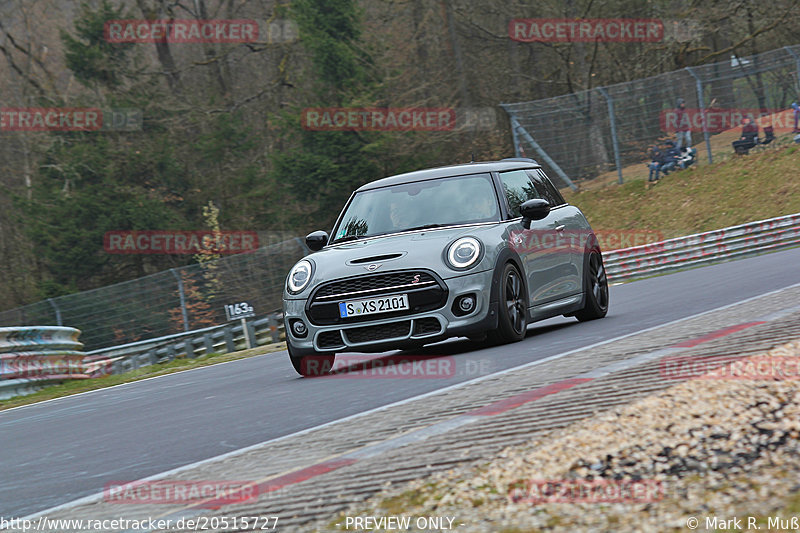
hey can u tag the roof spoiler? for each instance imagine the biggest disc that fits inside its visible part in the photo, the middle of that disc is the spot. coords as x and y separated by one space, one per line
521 160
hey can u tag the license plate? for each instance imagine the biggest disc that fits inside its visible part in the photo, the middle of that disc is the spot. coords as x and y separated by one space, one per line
371 306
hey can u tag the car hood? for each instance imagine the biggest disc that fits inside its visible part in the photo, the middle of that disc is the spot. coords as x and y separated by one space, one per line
420 249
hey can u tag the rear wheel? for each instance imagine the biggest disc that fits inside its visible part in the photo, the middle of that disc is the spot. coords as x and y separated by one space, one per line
513 309
316 364
596 290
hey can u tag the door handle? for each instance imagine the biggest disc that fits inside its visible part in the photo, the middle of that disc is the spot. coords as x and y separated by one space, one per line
561 227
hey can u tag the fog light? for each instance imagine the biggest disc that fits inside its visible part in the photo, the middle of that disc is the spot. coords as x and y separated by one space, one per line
467 304
299 328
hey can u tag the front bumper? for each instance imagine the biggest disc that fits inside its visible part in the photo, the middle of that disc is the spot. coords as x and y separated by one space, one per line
409 330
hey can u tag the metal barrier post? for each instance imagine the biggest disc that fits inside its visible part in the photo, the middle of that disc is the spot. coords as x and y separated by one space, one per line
248 342
229 344
515 140
251 333
614 140
273 328
552 164
182 295
208 343
797 62
701 103
188 348
57 310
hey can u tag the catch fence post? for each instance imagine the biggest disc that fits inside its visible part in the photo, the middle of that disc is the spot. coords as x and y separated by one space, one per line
701 103
614 140
54 305
182 295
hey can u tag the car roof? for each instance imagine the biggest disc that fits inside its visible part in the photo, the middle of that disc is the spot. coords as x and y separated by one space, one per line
452 170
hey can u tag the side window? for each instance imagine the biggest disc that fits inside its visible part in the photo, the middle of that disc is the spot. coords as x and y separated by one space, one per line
546 188
519 188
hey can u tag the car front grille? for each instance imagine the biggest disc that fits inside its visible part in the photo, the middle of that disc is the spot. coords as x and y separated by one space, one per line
403 329
363 286
379 332
330 339
426 326
425 291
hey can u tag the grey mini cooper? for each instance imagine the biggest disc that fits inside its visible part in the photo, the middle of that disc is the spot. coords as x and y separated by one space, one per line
477 250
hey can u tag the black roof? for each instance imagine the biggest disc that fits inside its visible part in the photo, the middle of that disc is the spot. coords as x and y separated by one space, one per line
452 170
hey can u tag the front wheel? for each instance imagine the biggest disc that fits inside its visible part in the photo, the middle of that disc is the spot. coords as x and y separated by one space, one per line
596 290
513 310
316 364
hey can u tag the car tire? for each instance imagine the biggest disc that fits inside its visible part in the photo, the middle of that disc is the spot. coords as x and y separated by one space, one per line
313 365
595 284
512 320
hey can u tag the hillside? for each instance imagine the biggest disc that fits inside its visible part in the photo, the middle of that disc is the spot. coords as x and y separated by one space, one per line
740 189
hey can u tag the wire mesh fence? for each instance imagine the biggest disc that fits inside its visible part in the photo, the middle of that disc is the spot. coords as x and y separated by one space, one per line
604 129
170 302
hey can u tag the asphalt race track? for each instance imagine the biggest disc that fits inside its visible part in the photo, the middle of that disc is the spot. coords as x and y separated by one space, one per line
58 451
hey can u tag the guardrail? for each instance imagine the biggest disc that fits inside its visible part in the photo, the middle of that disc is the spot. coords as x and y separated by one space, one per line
703 248
219 339
33 356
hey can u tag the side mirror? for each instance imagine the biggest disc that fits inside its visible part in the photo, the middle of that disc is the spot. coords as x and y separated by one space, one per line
316 240
536 209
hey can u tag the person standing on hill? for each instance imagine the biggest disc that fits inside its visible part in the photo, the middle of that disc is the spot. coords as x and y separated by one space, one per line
683 131
796 109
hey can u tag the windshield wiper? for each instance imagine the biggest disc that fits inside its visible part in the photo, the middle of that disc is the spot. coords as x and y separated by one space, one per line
347 238
426 226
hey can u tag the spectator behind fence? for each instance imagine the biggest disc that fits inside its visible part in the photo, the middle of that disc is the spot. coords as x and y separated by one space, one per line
796 110
663 161
656 160
683 131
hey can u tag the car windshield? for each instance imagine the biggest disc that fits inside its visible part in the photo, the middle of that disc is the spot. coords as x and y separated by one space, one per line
419 205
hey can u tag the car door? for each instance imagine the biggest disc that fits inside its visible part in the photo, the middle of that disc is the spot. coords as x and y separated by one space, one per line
545 256
571 225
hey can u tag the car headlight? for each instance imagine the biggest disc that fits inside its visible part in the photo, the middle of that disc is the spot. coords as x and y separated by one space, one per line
299 276
464 252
